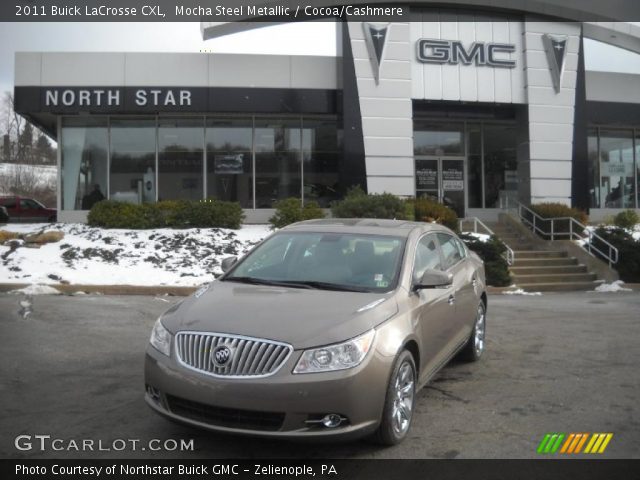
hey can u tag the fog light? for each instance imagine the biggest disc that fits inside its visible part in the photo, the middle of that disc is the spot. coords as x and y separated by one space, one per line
154 393
331 420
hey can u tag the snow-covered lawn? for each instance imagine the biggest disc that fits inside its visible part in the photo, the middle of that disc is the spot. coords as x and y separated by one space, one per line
94 256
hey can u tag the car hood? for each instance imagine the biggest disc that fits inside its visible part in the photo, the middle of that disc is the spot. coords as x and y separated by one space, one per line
301 317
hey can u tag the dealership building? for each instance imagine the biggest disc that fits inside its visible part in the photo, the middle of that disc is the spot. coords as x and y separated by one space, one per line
480 108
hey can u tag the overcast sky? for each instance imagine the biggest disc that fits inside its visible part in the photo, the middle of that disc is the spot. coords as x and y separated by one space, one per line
316 38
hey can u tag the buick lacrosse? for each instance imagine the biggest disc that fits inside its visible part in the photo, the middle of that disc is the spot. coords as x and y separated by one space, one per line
326 328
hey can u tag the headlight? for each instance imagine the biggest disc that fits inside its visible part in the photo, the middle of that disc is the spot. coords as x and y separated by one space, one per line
336 357
161 338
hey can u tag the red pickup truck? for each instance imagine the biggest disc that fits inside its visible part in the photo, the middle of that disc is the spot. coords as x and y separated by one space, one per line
22 209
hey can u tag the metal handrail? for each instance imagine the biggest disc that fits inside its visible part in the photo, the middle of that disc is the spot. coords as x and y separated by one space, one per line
612 254
510 255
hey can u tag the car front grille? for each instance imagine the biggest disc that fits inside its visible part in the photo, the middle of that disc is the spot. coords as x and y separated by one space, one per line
249 357
225 417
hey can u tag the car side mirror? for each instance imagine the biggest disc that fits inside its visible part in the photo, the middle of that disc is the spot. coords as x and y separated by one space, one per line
433 279
227 263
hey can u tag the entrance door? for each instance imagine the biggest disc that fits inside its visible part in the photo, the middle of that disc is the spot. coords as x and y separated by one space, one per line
443 179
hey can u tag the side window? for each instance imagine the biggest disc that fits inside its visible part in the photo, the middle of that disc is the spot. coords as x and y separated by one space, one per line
461 248
427 255
11 203
450 249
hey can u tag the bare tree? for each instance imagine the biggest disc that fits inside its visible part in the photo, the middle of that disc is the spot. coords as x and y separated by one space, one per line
22 175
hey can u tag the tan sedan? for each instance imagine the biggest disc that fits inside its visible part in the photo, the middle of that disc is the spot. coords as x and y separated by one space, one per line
326 328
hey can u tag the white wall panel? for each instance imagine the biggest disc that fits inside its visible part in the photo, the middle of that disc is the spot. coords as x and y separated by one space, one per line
450 73
468 74
167 69
484 33
403 186
432 74
83 69
502 80
390 166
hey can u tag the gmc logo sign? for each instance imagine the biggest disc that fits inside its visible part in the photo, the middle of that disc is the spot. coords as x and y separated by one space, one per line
454 52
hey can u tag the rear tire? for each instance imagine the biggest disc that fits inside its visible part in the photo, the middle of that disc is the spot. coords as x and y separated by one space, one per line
399 402
474 348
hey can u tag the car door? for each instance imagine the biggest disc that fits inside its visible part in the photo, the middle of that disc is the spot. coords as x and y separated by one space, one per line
11 205
456 262
31 210
433 309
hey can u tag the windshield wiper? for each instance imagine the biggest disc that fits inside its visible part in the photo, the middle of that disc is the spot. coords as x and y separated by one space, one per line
327 286
297 284
263 281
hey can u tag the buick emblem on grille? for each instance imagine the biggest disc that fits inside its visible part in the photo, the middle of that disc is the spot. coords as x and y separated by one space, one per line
221 355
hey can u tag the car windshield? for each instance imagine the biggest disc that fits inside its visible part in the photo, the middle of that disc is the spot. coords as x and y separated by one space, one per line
330 261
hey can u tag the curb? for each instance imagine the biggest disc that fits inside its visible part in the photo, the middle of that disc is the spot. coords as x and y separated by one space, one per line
68 289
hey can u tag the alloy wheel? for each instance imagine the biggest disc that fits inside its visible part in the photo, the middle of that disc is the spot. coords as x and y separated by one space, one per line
404 390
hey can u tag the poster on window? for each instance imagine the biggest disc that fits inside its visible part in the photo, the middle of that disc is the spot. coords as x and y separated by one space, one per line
229 164
426 175
452 179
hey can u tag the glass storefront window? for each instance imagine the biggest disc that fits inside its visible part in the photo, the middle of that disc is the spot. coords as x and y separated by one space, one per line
133 160
595 199
474 165
180 158
617 182
500 164
84 162
321 157
437 138
637 144
230 160
277 154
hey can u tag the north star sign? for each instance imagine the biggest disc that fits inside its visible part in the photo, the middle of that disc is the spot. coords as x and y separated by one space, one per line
112 97
454 52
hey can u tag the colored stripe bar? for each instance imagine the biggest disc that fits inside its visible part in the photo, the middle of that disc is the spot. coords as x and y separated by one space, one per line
555 447
591 442
543 443
581 442
605 442
567 443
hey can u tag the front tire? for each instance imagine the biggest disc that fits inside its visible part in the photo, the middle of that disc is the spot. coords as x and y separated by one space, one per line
474 348
399 401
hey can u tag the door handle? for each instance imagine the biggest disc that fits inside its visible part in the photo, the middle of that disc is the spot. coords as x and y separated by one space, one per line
452 299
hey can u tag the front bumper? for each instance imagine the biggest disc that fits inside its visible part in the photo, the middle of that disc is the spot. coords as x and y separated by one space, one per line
292 403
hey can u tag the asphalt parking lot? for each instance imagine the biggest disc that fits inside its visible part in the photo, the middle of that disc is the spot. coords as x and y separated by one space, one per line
73 369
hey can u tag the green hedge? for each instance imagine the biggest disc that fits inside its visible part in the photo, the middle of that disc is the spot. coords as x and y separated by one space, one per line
290 211
166 214
555 210
426 209
626 219
357 204
495 266
628 265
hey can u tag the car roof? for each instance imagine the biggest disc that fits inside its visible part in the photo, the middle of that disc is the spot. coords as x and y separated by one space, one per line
371 226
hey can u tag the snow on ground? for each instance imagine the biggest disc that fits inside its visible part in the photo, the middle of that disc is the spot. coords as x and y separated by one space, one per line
520 291
37 290
612 287
94 256
635 233
483 237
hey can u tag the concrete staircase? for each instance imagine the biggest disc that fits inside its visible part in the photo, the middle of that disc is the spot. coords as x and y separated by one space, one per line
538 269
